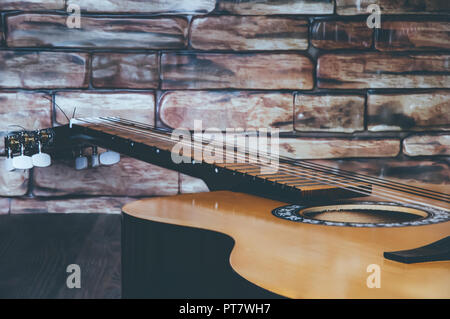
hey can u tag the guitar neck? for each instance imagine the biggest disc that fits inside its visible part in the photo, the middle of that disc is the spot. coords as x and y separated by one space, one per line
290 183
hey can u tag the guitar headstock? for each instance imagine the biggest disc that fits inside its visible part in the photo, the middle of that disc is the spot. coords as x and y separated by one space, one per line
24 149
27 149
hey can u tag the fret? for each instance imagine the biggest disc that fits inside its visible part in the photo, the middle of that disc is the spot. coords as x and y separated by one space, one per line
274 175
304 183
320 186
238 165
281 177
252 171
222 165
286 179
314 187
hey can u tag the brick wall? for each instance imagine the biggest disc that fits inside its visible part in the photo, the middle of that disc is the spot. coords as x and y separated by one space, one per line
335 88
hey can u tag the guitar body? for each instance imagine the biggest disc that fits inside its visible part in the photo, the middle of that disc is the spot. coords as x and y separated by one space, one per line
227 244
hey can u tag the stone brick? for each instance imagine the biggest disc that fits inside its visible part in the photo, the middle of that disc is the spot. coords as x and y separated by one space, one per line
351 7
250 71
13 183
316 148
31 30
43 69
419 111
128 178
332 34
138 106
430 174
383 70
190 184
224 110
145 6
4 206
30 110
125 70
268 7
417 145
413 35
29 5
331 113
249 33
99 205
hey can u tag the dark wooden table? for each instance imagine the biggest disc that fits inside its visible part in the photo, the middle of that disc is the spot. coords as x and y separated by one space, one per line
35 250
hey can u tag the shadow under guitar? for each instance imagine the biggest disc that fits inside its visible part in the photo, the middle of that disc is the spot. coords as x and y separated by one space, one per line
169 261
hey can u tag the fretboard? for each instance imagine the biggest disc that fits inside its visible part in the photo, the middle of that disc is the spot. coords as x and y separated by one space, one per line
294 181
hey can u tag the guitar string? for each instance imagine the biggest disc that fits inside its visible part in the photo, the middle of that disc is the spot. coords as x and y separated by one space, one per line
334 171
420 194
377 181
346 181
314 177
408 190
172 141
298 172
159 137
302 173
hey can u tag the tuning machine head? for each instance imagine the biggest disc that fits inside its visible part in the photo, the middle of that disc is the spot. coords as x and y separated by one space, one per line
81 161
41 159
95 160
8 163
26 143
109 158
22 161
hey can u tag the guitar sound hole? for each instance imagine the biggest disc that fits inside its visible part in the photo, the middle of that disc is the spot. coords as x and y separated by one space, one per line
370 214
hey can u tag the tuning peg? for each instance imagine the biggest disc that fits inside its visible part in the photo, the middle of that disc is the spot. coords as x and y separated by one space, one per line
22 161
95 161
8 163
81 162
109 158
41 159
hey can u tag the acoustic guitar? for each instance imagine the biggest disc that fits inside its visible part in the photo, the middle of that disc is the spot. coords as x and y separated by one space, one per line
305 231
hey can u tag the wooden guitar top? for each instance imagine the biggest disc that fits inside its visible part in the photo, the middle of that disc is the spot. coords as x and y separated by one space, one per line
301 260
